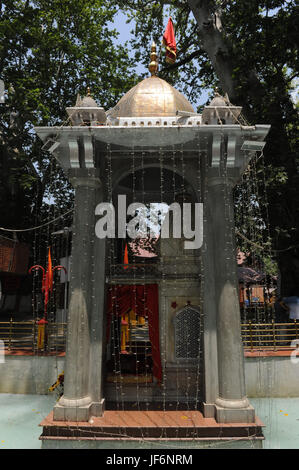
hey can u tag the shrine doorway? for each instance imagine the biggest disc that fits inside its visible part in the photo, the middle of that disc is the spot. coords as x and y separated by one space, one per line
132 335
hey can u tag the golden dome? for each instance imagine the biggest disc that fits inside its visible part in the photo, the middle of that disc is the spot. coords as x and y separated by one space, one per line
151 97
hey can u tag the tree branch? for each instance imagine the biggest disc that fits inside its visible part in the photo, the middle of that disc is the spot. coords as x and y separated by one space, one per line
295 75
184 61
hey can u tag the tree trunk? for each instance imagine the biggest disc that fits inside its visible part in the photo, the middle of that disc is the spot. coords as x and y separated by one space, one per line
211 32
219 49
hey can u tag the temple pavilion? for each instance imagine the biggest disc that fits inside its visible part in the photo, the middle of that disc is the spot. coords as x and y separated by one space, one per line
152 324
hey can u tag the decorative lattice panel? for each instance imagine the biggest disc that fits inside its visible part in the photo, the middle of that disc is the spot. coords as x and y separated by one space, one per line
187 334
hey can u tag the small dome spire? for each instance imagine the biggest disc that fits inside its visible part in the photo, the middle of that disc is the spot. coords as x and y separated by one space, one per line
153 66
221 111
87 101
218 100
86 111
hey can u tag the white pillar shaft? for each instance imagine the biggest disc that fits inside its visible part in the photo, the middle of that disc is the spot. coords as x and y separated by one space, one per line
230 350
79 387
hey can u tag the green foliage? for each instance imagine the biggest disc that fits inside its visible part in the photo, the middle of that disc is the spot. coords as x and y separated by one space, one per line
50 51
271 267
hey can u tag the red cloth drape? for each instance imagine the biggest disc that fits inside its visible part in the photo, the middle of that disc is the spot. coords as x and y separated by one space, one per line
144 300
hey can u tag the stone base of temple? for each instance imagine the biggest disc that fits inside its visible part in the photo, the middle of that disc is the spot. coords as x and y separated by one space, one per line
77 411
227 415
208 410
145 429
136 444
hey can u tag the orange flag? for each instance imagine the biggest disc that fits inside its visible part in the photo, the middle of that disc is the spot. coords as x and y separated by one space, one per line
47 284
50 271
126 258
169 43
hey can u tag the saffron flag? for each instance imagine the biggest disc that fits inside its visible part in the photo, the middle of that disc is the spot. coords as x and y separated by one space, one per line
50 271
47 284
169 43
126 257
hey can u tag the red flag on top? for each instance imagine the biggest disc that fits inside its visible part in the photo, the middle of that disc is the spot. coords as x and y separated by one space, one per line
169 43
126 257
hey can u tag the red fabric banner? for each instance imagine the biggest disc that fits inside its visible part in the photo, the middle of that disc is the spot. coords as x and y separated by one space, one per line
170 43
144 300
47 284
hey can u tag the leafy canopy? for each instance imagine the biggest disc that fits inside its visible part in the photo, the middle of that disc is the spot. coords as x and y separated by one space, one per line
50 51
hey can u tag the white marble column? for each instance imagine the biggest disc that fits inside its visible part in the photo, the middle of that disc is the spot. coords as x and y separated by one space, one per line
77 402
232 404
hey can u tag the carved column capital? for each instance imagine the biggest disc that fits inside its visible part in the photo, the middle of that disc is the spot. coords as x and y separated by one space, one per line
214 181
89 178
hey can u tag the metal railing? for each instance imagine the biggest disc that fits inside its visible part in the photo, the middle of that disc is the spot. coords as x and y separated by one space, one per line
23 335
270 336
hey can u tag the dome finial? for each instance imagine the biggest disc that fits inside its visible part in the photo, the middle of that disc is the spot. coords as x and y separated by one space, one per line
88 91
153 66
216 91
